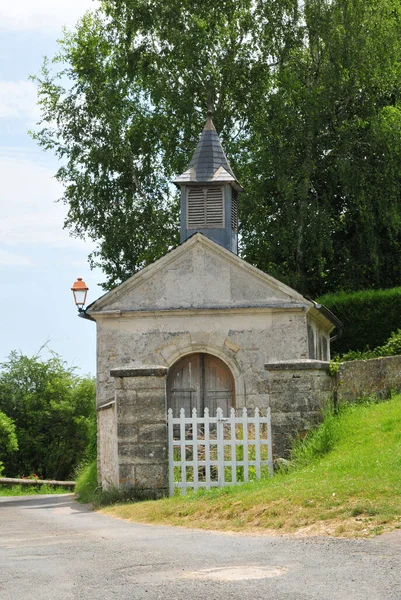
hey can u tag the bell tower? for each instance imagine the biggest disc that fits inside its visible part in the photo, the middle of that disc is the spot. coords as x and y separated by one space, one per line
209 192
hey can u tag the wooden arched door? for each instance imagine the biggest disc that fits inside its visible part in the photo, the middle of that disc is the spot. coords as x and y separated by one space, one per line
200 381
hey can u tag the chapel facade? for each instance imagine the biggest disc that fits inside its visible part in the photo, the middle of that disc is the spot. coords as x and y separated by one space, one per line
201 328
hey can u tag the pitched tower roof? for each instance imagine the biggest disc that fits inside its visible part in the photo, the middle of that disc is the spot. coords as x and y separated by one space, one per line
209 163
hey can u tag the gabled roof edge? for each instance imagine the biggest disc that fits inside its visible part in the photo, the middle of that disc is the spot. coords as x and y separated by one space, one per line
170 256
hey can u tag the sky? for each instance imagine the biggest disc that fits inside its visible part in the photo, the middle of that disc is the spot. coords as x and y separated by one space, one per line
39 261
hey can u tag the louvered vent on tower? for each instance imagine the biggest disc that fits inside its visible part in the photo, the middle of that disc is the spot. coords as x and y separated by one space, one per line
205 208
214 208
234 210
196 208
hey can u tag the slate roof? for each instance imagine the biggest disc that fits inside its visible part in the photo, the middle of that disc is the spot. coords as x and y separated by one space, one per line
209 163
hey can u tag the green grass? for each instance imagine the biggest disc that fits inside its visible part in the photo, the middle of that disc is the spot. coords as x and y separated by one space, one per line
87 489
344 480
29 490
86 482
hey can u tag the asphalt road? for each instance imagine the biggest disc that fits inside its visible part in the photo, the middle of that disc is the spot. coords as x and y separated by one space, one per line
54 548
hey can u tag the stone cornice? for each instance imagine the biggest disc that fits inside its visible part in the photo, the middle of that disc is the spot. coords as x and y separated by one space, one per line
297 365
204 311
142 371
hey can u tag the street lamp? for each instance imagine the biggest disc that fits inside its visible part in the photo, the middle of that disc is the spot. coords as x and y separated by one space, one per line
80 290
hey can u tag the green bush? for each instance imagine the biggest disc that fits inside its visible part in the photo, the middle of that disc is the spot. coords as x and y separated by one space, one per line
31 490
54 415
8 439
369 317
392 347
86 482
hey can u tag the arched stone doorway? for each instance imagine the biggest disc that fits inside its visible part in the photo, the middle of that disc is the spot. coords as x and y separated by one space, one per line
200 381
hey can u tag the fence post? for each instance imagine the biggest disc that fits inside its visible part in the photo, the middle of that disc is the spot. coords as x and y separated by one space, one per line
195 448
233 448
245 443
269 445
207 448
183 453
257 442
170 451
220 447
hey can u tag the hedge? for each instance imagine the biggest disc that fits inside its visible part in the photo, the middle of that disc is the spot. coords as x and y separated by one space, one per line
369 317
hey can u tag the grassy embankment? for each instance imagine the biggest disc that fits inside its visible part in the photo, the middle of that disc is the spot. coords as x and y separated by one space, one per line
344 481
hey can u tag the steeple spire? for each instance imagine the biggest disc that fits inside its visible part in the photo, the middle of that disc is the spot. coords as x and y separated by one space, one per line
209 162
209 191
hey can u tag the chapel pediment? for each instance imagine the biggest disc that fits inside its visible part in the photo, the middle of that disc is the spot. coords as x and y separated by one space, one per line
198 274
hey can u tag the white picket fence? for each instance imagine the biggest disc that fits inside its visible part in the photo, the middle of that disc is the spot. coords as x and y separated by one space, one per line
207 451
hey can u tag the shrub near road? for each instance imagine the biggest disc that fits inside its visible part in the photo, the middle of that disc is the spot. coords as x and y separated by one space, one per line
345 481
54 414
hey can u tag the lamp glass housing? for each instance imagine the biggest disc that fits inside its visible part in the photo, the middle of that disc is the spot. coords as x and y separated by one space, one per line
80 297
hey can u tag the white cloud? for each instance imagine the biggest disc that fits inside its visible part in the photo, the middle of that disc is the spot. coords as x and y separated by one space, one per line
18 100
41 15
29 214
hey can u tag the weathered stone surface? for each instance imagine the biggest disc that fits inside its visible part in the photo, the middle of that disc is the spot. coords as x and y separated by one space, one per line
107 444
150 371
289 425
127 474
364 378
138 453
140 383
127 432
142 433
145 411
153 433
197 274
154 476
296 399
300 365
125 451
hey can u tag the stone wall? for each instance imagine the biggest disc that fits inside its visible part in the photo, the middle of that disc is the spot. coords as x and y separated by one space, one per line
297 393
133 445
107 444
141 428
374 377
243 339
299 389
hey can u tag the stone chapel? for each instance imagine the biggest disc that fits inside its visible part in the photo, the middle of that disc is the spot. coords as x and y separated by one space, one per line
200 328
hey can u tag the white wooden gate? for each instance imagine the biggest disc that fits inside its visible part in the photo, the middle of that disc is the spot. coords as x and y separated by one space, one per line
217 451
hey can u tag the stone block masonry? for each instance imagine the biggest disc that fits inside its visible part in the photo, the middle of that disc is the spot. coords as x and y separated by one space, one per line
364 378
298 390
140 396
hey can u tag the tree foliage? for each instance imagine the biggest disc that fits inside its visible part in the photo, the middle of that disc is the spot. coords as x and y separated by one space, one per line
307 102
8 439
330 155
54 415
